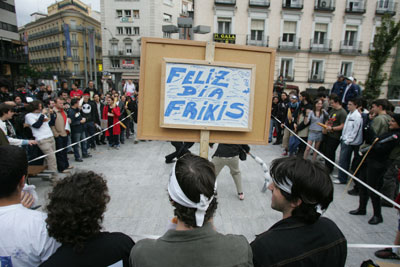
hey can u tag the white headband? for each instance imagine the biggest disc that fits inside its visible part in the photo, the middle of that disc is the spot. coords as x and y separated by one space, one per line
177 195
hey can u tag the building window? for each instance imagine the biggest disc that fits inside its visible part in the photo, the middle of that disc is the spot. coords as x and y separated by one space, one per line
73 37
320 33
346 69
136 31
119 13
76 68
317 69
73 23
350 36
136 14
224 25
128 30
168 2
128 49
127 13
166 34
167 17
74 52
257 29
289 31
115 63
120 30
286 69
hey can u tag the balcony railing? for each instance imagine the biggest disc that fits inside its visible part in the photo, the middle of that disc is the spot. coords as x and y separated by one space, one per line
298 4
225 2
355 6
72 42
263 42
316 77
348 47
123 53
386 7
317 46
287 77
43 33
75 58
289 46
259 3
324 5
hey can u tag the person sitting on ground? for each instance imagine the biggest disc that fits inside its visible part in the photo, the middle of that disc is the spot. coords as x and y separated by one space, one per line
24 238
75 213
194 242
301 190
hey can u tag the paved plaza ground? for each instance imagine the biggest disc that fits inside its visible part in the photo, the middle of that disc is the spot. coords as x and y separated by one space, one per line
137 179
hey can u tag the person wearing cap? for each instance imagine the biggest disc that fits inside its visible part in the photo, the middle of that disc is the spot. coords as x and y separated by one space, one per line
194 241
350 92
302 191
376 164
339 86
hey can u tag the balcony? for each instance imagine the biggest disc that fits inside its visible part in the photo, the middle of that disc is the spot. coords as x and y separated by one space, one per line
316 77
355 7
289 76
72 43
350 47
115 53
225 2
75 58
289 46
320 46
324 5
263 42
292 4
259 3
386 7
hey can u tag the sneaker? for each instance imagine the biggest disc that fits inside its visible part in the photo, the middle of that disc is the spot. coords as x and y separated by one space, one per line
285 153
79 160
337 181
353 192
135 142
241 196
116 147
87 156
387 253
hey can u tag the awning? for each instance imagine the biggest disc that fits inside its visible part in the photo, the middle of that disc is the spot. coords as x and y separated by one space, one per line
130 76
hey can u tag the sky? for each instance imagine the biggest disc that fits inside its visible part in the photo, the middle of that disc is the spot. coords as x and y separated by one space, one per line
26 7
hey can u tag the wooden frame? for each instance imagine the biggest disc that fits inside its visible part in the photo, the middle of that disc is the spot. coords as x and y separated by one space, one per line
153 52
252 67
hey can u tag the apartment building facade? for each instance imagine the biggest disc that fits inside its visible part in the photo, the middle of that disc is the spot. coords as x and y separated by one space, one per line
66 42
124 22
316 40
12 54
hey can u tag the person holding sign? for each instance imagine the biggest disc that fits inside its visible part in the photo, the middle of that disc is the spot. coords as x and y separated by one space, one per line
228 155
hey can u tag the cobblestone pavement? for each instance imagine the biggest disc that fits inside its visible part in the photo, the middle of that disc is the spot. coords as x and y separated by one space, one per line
137 177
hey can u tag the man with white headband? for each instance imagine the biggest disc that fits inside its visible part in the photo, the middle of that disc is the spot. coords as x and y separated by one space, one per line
302 190
194 242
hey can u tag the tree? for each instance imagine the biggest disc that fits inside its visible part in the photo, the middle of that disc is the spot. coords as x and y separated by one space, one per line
387 36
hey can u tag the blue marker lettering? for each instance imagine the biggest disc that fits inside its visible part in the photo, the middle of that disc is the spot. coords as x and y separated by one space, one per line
209 76
188 77
173 105
218 92
219 77
203 91
202 110
190 109
222 110
175 73
209 115
198 81
236 106
188 90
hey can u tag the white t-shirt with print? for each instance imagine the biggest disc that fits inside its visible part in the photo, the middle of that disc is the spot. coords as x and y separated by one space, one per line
24 240
39 133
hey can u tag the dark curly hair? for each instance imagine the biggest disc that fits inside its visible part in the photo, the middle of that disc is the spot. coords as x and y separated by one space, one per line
311 184
76 207
195 176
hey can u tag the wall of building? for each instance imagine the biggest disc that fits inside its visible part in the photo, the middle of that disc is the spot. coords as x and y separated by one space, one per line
207 12
10 18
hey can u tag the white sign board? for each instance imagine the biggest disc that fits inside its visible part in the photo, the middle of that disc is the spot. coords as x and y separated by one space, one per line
204 95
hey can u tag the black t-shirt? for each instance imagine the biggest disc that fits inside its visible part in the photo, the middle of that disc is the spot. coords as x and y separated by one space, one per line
102 250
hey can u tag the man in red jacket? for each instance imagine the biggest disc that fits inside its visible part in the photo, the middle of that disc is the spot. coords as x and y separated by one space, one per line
111 113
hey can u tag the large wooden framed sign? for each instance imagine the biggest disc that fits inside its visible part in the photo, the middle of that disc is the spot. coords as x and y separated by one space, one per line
214 92
206 95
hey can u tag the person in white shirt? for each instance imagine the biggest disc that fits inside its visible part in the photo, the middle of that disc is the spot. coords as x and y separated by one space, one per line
129 87
38 120
351 138
24 239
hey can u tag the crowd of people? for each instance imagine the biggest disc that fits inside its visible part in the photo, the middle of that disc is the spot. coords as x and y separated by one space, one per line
35 121
44 120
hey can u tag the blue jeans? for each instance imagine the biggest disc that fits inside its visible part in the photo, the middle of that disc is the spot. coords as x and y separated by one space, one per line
90 130
76 137
345 158
113 140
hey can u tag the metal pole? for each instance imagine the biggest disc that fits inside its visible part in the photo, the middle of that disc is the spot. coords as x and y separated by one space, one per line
95 63
84 55
90 57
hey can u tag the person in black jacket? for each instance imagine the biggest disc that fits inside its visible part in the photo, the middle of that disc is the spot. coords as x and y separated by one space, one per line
98 115
301 190
274 123
281 113
89 113
375 167
228 155
77 130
